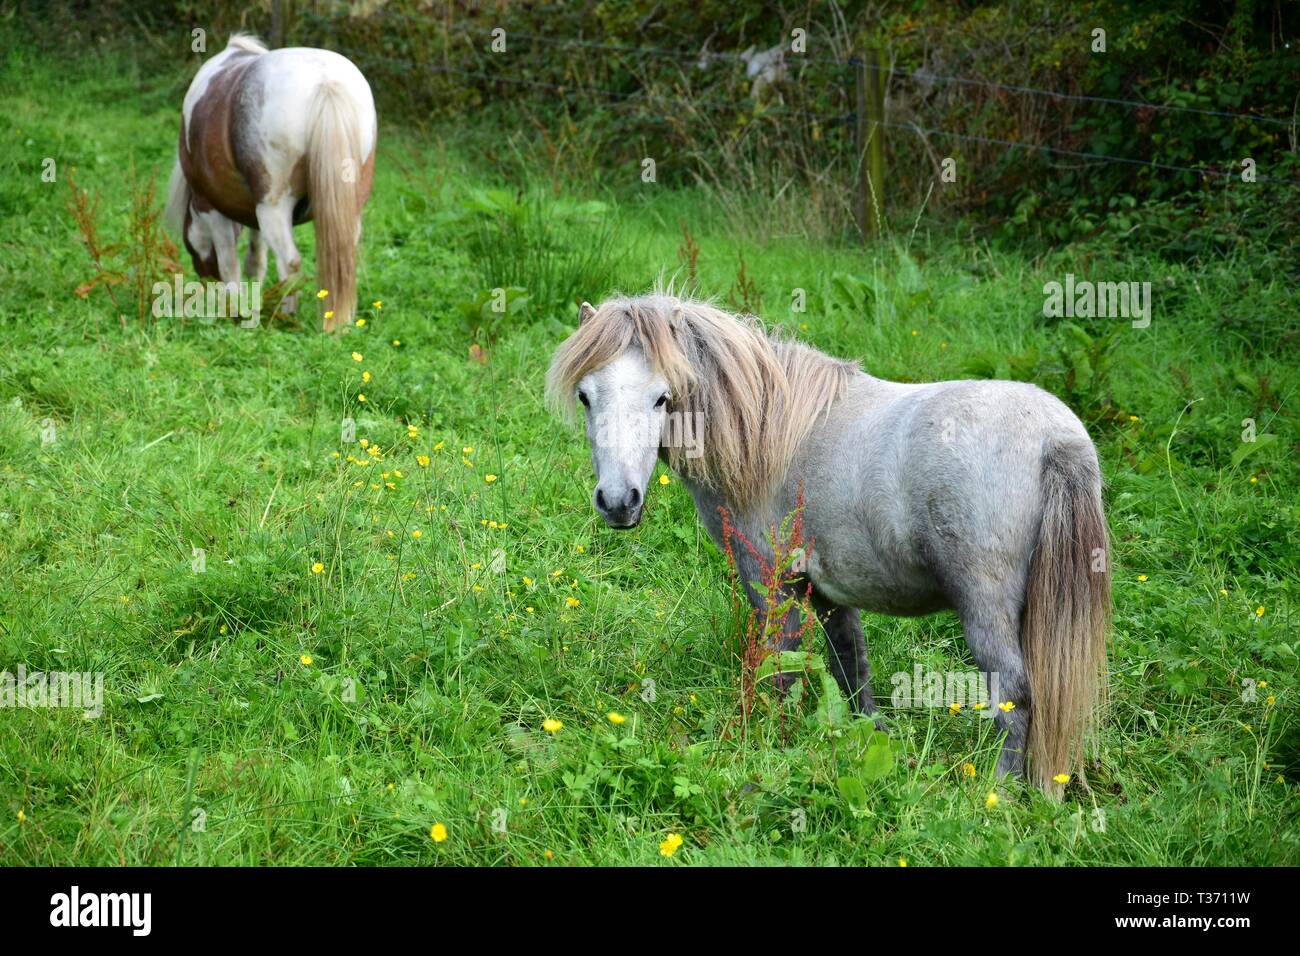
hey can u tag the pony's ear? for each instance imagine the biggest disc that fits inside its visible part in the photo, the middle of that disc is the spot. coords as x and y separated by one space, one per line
585 312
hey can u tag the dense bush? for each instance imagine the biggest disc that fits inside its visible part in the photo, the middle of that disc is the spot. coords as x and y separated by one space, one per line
594 90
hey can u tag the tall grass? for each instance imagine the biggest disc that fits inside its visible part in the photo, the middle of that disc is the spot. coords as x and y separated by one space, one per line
332 684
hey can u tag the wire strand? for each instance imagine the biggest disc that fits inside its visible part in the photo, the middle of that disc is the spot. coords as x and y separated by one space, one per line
923 74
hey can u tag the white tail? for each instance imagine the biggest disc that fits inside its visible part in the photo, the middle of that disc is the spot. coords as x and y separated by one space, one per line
334 164
178 199
1066 614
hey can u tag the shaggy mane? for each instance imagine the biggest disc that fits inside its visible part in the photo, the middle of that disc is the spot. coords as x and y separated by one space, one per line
757 395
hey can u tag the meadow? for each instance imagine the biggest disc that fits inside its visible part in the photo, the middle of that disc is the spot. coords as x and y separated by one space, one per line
319 651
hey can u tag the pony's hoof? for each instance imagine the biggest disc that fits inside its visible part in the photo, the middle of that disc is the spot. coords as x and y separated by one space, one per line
289 304
783 682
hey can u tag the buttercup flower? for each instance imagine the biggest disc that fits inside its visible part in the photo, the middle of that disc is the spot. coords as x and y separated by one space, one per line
615 718
317 568
438 832
551 725
670 844
305 660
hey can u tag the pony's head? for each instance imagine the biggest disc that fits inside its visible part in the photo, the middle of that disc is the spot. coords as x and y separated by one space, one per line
192 227
710 392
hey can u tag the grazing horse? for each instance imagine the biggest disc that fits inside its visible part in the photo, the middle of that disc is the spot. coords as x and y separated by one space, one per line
271 139
983 497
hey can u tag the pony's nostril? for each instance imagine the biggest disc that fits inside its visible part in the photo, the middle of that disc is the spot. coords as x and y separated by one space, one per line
600 500
633 498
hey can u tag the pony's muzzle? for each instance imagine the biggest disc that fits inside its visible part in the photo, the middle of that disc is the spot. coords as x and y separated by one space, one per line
620 508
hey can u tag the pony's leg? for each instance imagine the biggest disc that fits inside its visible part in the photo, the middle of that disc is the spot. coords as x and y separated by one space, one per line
849 663
993 634
225 242
255 259
275 222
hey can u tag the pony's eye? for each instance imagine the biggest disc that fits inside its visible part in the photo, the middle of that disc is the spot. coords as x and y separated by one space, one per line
582 397
663 400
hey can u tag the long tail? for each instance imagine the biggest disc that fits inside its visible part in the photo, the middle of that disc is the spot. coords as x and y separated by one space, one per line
1067 613
334 164
178 199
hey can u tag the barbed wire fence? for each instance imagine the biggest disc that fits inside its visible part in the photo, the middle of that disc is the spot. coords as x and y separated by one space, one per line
863 76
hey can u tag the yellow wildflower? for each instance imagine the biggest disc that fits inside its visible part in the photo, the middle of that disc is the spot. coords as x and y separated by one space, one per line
670 844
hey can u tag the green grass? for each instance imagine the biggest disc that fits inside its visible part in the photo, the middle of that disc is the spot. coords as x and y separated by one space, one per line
188 435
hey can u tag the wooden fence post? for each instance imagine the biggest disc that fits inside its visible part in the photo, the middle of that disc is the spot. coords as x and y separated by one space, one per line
870 115
277 25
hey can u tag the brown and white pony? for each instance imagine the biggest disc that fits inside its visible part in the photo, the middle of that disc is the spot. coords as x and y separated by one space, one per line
271 139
